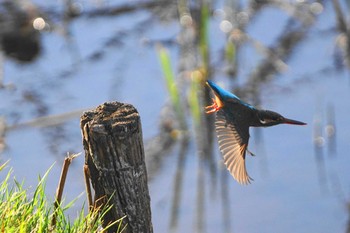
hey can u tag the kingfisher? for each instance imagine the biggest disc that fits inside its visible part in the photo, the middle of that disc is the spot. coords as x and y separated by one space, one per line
232 122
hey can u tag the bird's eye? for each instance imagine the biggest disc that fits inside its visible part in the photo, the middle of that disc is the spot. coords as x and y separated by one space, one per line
262 121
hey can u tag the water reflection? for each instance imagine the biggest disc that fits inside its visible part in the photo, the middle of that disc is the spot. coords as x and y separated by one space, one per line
204 41
330 131
319 143
178 182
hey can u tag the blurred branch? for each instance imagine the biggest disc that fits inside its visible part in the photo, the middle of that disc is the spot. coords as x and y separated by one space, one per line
47 121
127 8
341 22
276 56
343 28
73 10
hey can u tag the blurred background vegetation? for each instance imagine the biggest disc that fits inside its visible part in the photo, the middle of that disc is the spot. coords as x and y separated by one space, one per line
59 58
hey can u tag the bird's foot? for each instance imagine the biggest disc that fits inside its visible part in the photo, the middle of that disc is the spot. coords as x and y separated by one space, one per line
212 108
251 153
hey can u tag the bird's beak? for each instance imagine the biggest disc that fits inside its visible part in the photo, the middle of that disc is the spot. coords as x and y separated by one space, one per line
292 122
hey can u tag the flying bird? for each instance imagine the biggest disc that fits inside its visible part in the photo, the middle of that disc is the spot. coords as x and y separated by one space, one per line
232 122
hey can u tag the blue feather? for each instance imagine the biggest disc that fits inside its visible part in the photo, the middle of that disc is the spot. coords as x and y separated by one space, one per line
223 94
226 95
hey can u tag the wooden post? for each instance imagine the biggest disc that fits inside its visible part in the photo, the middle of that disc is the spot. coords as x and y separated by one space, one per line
114 154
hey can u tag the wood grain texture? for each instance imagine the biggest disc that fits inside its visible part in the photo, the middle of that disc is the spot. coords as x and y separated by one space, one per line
114 154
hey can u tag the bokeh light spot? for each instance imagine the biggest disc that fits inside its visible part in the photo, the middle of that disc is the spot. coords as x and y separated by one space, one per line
39 23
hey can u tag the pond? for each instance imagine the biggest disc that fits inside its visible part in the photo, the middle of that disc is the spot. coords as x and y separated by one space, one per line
287 56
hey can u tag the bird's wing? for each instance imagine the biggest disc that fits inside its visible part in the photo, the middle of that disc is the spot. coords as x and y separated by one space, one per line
233 143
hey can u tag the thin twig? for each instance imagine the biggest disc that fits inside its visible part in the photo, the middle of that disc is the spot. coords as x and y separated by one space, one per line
67 161
87 186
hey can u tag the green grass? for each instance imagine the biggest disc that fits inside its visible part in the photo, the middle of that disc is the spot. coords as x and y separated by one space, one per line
195 90
204 35
173 90
194 97
230 52
24 211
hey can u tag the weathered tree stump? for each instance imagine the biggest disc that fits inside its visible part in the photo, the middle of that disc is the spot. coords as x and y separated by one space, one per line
114 154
